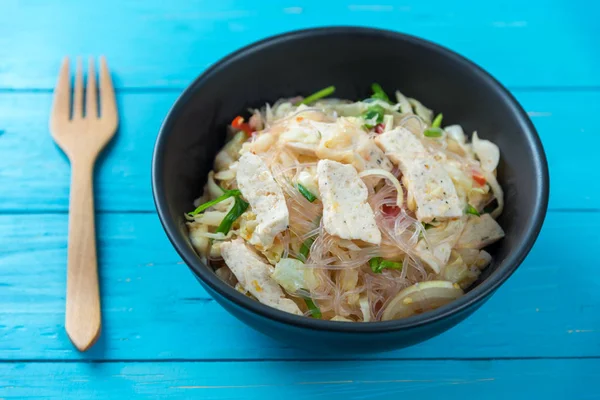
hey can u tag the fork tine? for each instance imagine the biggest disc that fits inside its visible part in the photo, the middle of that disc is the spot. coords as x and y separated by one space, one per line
78 92
62 96
91 105
108 107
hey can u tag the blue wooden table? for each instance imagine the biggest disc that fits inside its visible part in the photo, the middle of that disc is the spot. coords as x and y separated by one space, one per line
163 336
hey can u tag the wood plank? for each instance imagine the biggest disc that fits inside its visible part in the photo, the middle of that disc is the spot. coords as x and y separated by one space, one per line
153 308
491 379
34 176
515 40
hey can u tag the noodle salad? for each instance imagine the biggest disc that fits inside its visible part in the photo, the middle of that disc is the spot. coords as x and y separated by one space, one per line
350 211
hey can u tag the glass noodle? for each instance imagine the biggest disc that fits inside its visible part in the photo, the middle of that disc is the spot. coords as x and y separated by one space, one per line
341 278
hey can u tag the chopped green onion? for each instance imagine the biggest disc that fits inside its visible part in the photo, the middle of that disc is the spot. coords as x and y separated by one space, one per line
306 193
378 264
239 207
437 122
374 263
314 309
472 210
378 93
317 96
433 132
227 194
305 247
390 264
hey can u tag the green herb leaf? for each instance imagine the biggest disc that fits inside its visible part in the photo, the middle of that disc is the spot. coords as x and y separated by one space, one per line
427 226
437 121
378 264
471 210
306 193
305 248
239 206
433 132
317 96
374 112
378 93
314 309
227 194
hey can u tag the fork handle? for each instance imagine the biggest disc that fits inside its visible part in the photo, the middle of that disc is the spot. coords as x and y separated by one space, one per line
82 319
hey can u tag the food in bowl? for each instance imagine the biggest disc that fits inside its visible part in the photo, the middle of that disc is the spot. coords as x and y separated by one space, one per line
351 211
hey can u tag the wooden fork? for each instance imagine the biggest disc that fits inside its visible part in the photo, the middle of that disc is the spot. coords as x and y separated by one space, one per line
82 137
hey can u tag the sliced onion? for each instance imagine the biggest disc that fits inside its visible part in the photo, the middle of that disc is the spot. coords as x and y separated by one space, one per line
421 297
391 178
340 319
365 307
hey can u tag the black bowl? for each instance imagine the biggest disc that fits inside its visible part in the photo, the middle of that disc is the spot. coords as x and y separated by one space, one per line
351 59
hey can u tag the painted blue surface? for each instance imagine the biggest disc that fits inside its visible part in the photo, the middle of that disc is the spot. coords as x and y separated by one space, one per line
163 336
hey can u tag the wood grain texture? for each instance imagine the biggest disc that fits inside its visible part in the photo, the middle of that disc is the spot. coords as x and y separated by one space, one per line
165 44
493 379
154 309
38 177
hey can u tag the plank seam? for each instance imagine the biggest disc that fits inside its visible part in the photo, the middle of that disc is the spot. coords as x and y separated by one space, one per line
178 89
304 360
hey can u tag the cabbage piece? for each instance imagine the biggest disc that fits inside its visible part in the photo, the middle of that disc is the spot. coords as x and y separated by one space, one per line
457 140
456 133
289 274
301 137
248 224
210 218
284 108
308 179
273 253
457 271
405 107
435 257
230 152
479 232
226 174
498 193
213 191
388 122
487 152
348 279
425 113
475 258
347 109
199 241
292 275
215 250
365 309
